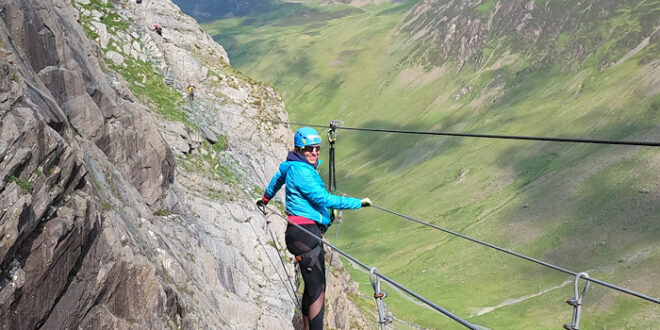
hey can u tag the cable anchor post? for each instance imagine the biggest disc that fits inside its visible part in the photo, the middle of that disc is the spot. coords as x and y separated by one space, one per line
576 301
383 319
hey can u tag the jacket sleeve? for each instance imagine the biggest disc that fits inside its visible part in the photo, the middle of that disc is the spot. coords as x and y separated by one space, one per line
275 184
311 186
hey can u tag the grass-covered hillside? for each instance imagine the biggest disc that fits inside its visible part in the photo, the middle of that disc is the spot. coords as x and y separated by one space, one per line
209 10
536 68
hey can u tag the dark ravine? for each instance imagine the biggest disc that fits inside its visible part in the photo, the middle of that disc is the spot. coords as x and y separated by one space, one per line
112 216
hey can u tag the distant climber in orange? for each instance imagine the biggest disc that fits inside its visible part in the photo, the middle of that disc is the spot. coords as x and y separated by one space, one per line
191 92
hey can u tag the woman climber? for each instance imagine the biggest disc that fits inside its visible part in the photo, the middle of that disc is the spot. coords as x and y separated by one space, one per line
307 202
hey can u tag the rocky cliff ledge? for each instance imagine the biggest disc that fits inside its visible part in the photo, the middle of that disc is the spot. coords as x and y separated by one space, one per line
122 205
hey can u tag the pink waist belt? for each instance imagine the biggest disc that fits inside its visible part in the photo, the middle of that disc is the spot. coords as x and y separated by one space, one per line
301 220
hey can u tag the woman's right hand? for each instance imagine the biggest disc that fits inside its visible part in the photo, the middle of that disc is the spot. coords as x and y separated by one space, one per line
261 202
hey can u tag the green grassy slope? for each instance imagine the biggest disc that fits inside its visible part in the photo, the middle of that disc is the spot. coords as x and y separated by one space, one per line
583 207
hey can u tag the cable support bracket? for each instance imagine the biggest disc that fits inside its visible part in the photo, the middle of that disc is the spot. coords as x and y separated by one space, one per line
576 301
383 319
332 131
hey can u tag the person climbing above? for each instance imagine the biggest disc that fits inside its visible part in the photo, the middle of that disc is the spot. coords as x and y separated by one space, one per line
191 92
138 1
158 29
307 202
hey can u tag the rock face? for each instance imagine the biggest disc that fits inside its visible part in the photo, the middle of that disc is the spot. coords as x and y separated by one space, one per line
121 206
66 136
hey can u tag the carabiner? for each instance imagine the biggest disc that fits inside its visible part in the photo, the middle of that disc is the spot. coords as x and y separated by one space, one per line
576 301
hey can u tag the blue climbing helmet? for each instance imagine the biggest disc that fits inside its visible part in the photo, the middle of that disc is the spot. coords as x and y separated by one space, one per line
306 136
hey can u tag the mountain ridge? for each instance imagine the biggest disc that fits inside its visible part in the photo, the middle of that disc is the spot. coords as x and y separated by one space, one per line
566 30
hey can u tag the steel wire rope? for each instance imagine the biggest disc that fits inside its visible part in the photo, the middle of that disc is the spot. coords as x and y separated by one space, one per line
294 297
473 135
494 136
377 273
520 255
510 137
277 248
332 254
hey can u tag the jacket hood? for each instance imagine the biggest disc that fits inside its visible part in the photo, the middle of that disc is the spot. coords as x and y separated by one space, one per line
294 156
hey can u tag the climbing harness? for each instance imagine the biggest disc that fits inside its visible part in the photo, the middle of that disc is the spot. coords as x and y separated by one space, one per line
383 319
576 302
306 260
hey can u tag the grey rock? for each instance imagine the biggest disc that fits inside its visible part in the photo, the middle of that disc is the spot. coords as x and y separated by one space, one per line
115 57
102 31
208 135
126 49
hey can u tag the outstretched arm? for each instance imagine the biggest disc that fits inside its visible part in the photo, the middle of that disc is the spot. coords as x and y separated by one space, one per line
311 187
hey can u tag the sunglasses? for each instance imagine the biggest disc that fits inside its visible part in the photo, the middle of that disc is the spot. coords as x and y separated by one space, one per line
311 148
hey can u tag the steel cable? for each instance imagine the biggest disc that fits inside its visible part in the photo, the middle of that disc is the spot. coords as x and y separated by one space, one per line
510 137
540 262
294 298
489 136
293 288
385 278
473 135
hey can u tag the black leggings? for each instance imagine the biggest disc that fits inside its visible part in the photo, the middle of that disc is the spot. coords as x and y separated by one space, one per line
299 242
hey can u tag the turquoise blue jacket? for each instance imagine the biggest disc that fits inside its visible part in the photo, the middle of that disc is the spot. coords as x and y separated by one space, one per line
305 191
